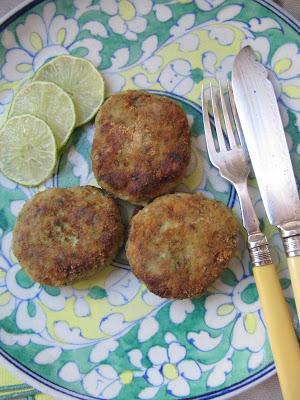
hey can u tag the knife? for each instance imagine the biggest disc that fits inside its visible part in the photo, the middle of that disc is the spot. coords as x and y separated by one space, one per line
262 127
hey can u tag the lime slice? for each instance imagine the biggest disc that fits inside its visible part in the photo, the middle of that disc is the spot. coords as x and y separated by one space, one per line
50 103
27 150
80 79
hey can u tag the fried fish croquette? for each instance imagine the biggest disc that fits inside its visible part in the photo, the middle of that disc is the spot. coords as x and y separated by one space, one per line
64 235
180 243
141 147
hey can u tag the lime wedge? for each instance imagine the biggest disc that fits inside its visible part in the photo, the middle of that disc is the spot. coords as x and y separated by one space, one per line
27 150
80 79
50 103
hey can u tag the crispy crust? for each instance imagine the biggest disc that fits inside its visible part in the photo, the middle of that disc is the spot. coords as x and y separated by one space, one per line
179 244
141 148
64 235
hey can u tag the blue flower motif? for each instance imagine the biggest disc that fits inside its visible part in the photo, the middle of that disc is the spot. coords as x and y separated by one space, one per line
41 37
18 292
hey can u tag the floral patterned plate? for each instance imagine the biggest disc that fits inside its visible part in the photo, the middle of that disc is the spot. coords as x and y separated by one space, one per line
108 337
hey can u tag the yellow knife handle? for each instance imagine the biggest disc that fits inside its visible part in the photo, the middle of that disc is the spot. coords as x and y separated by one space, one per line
294 268
282 337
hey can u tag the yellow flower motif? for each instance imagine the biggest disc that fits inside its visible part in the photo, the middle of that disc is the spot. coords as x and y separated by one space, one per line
126 10
126 377
170 371
5 298
284 63
169 367
250 322
127 17
39 38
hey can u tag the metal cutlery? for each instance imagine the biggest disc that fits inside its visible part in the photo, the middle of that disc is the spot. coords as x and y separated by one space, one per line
233 164
265 139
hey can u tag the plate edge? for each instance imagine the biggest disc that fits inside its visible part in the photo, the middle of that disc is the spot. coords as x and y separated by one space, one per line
57 394
280 12
4 21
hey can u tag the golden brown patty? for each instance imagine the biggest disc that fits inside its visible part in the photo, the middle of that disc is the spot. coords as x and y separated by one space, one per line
141 147
63 235
179 244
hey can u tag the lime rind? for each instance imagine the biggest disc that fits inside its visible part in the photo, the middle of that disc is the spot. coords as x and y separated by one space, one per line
28 152
49 102
80 79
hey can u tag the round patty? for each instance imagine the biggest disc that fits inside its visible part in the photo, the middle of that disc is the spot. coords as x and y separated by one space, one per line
141 146
64 235
179 244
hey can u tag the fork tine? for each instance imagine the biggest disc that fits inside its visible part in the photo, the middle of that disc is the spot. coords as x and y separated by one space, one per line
207 128
218 126
234 113
229 130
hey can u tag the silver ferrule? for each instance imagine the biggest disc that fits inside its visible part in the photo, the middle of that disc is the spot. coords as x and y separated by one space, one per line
290 233
292 246
259 249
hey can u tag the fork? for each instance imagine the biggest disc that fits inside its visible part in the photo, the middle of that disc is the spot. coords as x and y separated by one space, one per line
233 163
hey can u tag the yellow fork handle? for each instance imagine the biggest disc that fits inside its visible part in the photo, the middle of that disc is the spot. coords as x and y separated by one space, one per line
294 268
282 337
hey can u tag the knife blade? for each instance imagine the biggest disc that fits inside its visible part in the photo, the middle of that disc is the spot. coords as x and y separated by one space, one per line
264 135
265 138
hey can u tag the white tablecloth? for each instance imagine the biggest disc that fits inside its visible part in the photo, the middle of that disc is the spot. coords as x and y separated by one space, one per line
268 390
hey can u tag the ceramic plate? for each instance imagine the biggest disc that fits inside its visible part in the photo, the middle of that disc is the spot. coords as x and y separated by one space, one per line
108 337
